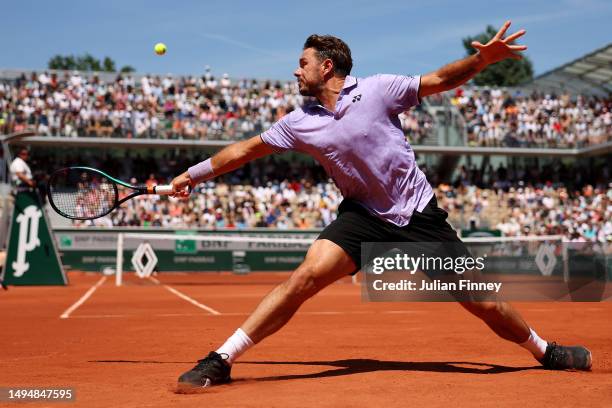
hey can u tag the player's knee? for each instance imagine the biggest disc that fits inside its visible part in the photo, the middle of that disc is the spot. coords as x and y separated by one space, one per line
302 283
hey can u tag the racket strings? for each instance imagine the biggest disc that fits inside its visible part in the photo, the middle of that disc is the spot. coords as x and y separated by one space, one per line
82 194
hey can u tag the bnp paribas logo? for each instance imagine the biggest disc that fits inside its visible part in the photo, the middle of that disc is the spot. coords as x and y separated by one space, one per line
65 241
28 240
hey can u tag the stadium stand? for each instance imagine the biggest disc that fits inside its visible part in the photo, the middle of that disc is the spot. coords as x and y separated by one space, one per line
499 117
202 108
155 107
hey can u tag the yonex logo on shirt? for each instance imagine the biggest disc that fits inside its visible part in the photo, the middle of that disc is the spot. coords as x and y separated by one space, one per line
356 98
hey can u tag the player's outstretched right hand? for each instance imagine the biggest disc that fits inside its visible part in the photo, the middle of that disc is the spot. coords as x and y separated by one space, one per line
182 185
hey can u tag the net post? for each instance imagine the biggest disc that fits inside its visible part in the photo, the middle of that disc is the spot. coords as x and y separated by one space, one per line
119 266
565 262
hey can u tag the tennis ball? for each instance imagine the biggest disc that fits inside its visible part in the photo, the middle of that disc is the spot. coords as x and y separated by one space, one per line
160 48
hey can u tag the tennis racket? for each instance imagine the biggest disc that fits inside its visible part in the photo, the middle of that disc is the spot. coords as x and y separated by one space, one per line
85 193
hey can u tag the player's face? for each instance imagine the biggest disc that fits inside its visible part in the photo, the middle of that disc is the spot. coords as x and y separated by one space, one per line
309 73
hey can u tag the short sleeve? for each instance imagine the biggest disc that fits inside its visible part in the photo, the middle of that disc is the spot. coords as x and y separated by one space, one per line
280 136
17 167
400 92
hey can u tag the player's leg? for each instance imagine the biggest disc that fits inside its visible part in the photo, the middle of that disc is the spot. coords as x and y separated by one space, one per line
335 254
325 263
504 320
430 225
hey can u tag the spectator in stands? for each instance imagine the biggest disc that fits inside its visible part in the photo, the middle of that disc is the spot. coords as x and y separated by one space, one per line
21 175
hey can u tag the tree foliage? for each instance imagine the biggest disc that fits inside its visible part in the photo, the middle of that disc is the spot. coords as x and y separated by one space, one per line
86 62
509 72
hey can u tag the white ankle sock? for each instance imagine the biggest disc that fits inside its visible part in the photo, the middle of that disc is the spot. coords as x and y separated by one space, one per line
535 344
236 345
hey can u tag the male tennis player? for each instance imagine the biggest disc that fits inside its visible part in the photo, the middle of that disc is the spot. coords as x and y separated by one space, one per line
353 130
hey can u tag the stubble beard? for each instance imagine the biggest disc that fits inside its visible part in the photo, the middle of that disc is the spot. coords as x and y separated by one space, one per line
304 90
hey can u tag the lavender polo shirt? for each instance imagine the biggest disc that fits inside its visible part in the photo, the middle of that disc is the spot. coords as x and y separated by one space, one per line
361 144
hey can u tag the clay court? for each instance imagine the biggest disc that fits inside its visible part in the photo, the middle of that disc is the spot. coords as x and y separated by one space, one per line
126 346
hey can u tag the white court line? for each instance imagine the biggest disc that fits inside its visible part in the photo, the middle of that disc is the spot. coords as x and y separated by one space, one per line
187 298
83 298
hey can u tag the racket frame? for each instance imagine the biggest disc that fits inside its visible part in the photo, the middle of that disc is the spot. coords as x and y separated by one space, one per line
138 190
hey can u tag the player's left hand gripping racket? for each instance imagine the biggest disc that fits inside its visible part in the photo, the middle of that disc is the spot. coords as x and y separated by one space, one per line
84 193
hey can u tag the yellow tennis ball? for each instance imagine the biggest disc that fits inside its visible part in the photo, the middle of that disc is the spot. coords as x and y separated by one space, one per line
160 48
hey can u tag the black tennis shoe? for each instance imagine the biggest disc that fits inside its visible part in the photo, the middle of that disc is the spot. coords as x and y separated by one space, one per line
559 357
211 370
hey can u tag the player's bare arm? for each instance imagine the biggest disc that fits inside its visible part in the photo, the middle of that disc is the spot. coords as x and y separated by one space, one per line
228 159
459 72
22 176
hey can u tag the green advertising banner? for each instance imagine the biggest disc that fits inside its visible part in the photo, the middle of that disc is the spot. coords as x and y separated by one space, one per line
96 250
185 246
31 257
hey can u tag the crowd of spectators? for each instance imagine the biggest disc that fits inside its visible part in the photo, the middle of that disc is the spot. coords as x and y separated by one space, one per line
584 214
168 107
573 175
217 205
521 211
513 118
209 108
574 200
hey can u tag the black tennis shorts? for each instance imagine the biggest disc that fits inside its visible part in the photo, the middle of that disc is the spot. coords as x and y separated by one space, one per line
355 225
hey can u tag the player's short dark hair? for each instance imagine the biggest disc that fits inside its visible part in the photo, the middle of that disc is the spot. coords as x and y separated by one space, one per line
335 49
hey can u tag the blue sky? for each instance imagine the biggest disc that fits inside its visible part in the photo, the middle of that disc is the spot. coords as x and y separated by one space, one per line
263 39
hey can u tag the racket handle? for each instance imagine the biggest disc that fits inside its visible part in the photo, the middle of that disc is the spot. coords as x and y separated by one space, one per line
166 189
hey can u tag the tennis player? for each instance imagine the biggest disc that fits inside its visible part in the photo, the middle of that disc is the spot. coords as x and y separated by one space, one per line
354 132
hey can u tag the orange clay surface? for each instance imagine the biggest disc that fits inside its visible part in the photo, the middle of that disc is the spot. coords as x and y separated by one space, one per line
126 346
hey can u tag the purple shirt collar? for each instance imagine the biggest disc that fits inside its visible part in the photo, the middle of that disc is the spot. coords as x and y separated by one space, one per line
349 82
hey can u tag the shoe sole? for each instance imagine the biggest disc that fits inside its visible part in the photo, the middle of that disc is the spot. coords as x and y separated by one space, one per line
586 367
589 361
187 388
